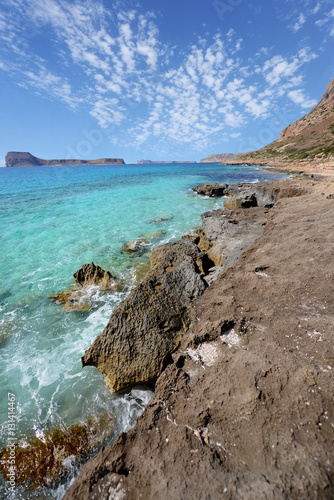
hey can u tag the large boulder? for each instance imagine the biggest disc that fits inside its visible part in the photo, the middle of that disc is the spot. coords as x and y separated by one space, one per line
148 325
166 254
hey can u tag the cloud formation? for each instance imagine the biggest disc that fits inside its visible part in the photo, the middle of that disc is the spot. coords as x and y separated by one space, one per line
113 63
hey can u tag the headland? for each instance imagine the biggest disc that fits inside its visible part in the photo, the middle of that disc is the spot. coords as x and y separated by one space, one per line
22 159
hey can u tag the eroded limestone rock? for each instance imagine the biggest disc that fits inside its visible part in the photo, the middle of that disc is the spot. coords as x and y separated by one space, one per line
211 190
90 274
76 297
147 326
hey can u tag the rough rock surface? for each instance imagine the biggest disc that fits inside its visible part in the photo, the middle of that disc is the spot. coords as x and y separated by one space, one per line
245 410
135 247
90 274
148 325
264 194
211 189
76 297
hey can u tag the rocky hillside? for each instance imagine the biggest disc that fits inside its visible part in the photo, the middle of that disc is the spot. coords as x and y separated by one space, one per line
23 159
309 139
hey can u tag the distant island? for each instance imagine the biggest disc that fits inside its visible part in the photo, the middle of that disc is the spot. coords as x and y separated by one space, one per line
144 162
20 159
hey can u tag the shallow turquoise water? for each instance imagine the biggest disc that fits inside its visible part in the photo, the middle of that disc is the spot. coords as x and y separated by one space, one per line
53 220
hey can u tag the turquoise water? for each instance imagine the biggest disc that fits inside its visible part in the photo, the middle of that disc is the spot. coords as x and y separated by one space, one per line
53 220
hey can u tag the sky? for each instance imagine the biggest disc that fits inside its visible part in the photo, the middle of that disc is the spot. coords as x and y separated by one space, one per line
158 80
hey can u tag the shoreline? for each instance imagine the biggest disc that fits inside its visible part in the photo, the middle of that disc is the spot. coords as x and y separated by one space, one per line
192 433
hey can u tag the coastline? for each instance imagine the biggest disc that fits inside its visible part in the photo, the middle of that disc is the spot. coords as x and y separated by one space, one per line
224 406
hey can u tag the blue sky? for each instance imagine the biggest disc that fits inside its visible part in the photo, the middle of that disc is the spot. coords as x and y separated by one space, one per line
174 80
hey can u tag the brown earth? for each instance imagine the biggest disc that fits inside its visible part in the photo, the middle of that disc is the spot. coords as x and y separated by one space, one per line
245 408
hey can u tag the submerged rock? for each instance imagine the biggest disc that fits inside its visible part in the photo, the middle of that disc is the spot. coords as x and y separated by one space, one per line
77 298
41 460
161 218
154 235
73 299
139 271
135 247
147 326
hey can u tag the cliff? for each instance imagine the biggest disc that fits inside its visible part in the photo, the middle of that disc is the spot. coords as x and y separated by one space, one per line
21 159
308 140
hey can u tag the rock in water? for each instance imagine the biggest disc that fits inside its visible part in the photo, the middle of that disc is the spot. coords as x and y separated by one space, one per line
90 274
161 218
76 297
211 190
148 325
41 460
135 247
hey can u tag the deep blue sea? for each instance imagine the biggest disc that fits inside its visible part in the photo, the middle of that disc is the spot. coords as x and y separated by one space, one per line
53 220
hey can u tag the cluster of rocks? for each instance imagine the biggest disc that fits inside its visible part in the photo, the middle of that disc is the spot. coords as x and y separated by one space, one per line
243 405
147 327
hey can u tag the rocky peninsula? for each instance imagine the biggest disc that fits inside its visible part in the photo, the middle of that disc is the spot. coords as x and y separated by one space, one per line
22 159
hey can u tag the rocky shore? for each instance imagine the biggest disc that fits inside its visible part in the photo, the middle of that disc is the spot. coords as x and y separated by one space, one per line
234 325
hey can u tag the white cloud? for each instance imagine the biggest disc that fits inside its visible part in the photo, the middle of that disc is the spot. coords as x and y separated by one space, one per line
300 22
107 112
298 97
110 62
326 21
279 68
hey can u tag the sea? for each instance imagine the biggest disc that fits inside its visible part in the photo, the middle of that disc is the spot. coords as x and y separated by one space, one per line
53 220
